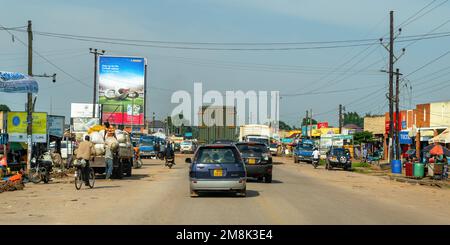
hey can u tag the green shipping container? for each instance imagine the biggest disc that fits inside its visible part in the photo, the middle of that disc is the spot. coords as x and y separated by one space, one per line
207 135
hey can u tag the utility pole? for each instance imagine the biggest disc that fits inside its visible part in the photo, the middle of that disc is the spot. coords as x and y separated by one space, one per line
340 119
391 87
29 97
306 123
391 99
96 53
310 123
397 113
153 121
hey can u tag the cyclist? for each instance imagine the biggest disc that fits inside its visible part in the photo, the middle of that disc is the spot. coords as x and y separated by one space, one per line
86 151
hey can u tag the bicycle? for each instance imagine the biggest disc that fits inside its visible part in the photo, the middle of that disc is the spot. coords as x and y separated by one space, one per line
80 164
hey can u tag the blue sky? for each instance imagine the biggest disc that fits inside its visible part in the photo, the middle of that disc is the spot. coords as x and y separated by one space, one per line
231 21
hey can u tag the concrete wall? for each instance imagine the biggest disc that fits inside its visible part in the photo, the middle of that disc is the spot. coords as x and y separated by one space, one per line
440 114
422 116
374 124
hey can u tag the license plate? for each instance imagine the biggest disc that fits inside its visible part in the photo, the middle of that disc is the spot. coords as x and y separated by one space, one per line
251 161
218 172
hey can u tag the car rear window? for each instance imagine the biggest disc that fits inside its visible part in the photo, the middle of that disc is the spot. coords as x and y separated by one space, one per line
217 155
252 148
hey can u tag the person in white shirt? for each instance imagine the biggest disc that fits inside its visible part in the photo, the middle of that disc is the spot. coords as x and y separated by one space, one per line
316 154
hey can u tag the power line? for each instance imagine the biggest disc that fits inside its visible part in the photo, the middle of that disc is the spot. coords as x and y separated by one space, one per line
427 64
50 62
329 92
418 17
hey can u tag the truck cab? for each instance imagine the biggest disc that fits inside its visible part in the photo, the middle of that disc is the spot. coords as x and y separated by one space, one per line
147 146
303 151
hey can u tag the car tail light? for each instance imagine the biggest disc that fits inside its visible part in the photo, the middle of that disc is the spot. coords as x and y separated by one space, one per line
269 170
194 181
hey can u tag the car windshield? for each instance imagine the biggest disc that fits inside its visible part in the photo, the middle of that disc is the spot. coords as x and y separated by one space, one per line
273 145
258 140
186 143
306 147
340 151
147 141
217 155
253 149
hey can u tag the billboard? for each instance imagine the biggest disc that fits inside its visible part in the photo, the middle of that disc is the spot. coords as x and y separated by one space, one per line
82 124
56 125
83 110
17 127
121 89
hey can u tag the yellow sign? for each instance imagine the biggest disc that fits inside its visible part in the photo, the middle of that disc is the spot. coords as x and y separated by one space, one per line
324 131
17 127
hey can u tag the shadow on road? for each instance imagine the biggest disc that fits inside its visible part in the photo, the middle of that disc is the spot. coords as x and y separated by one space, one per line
254 180
106 187
136 177
250 193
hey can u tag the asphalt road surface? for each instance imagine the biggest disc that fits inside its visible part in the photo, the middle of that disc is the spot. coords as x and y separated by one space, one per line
299 194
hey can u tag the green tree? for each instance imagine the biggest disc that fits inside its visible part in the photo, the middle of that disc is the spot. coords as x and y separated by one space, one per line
4 108
307 121
362 137
353 118
284 126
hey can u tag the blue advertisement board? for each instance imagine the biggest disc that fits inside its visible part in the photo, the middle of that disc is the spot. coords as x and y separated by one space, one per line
404 138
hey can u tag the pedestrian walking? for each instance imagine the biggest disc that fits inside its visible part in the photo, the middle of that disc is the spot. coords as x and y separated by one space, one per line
108 162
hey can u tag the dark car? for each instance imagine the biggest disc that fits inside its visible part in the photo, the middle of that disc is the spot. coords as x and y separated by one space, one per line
217 168
257 159
339 158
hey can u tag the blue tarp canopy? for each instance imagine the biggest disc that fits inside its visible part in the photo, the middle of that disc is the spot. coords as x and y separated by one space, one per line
13 82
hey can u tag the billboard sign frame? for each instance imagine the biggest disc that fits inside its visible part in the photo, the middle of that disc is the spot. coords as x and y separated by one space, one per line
122 85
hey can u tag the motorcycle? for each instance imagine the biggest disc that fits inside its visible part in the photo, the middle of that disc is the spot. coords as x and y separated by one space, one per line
315 162
170 161
41 168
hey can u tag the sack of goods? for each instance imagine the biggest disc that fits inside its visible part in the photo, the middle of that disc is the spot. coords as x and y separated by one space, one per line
112 143
121 137
99 149
95 128
96 138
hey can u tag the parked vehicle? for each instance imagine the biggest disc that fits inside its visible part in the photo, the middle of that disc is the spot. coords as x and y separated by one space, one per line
217 168
303 151
41 168
338 158
273 149
257 159
187 146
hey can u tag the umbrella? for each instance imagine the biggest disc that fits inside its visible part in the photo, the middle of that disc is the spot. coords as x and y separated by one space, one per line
13 82
437 150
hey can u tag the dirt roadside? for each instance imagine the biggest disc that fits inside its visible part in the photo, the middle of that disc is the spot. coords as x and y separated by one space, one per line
378 186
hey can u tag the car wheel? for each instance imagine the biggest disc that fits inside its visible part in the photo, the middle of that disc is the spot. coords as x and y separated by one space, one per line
268 178
194 193
260 179
295 160
243 193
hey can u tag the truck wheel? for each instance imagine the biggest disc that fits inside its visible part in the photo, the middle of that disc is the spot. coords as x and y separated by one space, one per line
129 168
119 171
295 160
268 178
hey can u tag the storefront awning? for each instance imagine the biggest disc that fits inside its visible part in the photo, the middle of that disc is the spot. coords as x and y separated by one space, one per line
444 137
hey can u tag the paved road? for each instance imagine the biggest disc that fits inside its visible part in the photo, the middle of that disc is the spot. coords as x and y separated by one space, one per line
157 195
